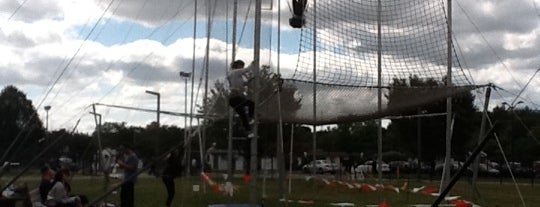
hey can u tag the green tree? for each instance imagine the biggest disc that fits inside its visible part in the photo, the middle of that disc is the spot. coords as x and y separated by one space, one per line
19 124
77 146
114 134
217 102
403 132
144 140
518 130
81 149
351 138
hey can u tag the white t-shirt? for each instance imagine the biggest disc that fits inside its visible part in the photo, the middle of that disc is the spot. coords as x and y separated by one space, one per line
57 192
236 79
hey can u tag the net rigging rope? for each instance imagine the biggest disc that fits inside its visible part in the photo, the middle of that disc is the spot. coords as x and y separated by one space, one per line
507 163
491 48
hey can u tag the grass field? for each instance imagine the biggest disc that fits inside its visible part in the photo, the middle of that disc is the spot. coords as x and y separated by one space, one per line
150 192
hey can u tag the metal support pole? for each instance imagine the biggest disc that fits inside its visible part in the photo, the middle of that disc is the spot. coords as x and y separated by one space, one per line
480 136
230 111
202 139
193 58
280 151
448 154
291 158
97 119
419 143
314 135
253 197
379 95
463 168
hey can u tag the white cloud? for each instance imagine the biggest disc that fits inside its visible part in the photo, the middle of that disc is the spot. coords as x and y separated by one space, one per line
520 41
43 35
31 11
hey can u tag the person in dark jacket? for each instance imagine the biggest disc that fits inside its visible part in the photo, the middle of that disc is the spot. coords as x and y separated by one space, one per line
173 168
129 162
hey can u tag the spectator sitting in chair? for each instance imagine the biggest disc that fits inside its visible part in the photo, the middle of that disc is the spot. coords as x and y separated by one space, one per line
58 195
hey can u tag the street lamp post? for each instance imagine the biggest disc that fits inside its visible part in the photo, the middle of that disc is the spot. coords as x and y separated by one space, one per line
157 119
186 77
47 108
511 106
158 103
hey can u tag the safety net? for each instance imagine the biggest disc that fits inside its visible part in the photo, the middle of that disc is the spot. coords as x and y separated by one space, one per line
339 49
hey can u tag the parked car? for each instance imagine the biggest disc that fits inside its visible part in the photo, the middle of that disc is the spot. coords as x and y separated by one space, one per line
489 169
67 162
401 164
321 166
454 165
7 166
518 170
536 168
367 166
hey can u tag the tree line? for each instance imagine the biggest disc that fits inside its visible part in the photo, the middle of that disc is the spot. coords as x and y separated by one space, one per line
22 130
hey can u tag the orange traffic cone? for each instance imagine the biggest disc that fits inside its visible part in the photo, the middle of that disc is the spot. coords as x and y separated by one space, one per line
430 190
461 203
247 178
216 188
367 188
384 204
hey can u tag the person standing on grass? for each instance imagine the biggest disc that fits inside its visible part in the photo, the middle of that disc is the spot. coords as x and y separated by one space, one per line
238 78
129 164
173 169
208 158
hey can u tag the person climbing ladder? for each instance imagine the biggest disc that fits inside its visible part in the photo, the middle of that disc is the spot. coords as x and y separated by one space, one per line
238 78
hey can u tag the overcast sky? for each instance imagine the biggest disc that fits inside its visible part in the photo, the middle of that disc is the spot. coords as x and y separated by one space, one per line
111 51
